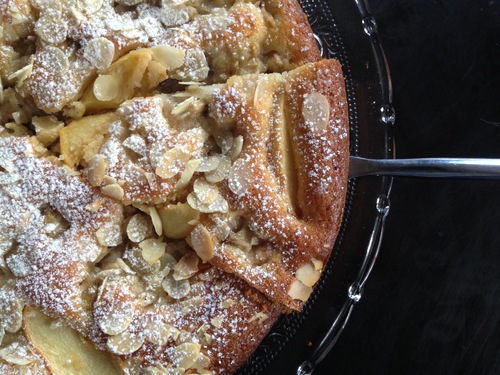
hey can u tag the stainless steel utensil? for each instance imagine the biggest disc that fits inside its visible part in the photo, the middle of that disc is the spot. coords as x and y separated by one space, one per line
430 168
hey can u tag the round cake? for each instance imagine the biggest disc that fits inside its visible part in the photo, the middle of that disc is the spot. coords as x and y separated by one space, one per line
172 178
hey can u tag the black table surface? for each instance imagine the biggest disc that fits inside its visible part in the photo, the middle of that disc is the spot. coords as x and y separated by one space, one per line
432 303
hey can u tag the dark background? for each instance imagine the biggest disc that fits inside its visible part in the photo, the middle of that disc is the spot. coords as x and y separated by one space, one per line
432 303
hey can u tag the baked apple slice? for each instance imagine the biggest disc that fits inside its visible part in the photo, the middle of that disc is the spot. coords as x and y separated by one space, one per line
63 349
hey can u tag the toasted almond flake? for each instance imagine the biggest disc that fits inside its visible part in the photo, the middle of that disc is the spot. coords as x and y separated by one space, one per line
94 206
115 306
160 332
97 171
186 267
188 305
11 311
236 147
219 205
171 57
52 27
156 220
240 177
137 144
216 321
299 291
176 289
22 74
205 192
138 228
203 242
172 162
227 303
55 59
187 174
152 249
125 267
124 343
109 235
105 88
202 362
183 107
13 355
113 190
316 111
308 274
89 6
185 354
176 219
318 264
208 163
260 316
100 52
221 171
20 117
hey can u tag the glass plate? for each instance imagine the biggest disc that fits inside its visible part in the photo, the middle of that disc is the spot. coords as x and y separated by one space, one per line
299 341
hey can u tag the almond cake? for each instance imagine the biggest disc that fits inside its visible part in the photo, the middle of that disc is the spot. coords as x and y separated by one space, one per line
172 179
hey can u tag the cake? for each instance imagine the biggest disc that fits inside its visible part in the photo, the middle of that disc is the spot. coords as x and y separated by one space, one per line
172 180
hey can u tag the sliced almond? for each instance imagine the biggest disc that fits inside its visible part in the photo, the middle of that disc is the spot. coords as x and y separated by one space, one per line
105 88
308 274
52 27
138 228
260 316
206 193
137 144
11 310
16 354
176 219
114 191
221 171
186 267
218 205
97 170
183 107
208 163
185 354
100 52
316 111
56 59
171 57
156 220
124 343
216 321
236 147
318 264
176 289
152 249
299 291
203 242
109 235
187 174
159 332
115 306
240 177
172 162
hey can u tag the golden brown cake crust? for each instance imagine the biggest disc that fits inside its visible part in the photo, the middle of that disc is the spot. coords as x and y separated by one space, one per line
173 176
297 208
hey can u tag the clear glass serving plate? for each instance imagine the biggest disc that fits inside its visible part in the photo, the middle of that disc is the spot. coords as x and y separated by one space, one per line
344 30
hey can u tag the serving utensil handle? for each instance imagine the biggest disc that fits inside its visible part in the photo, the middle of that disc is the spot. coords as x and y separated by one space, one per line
426 167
